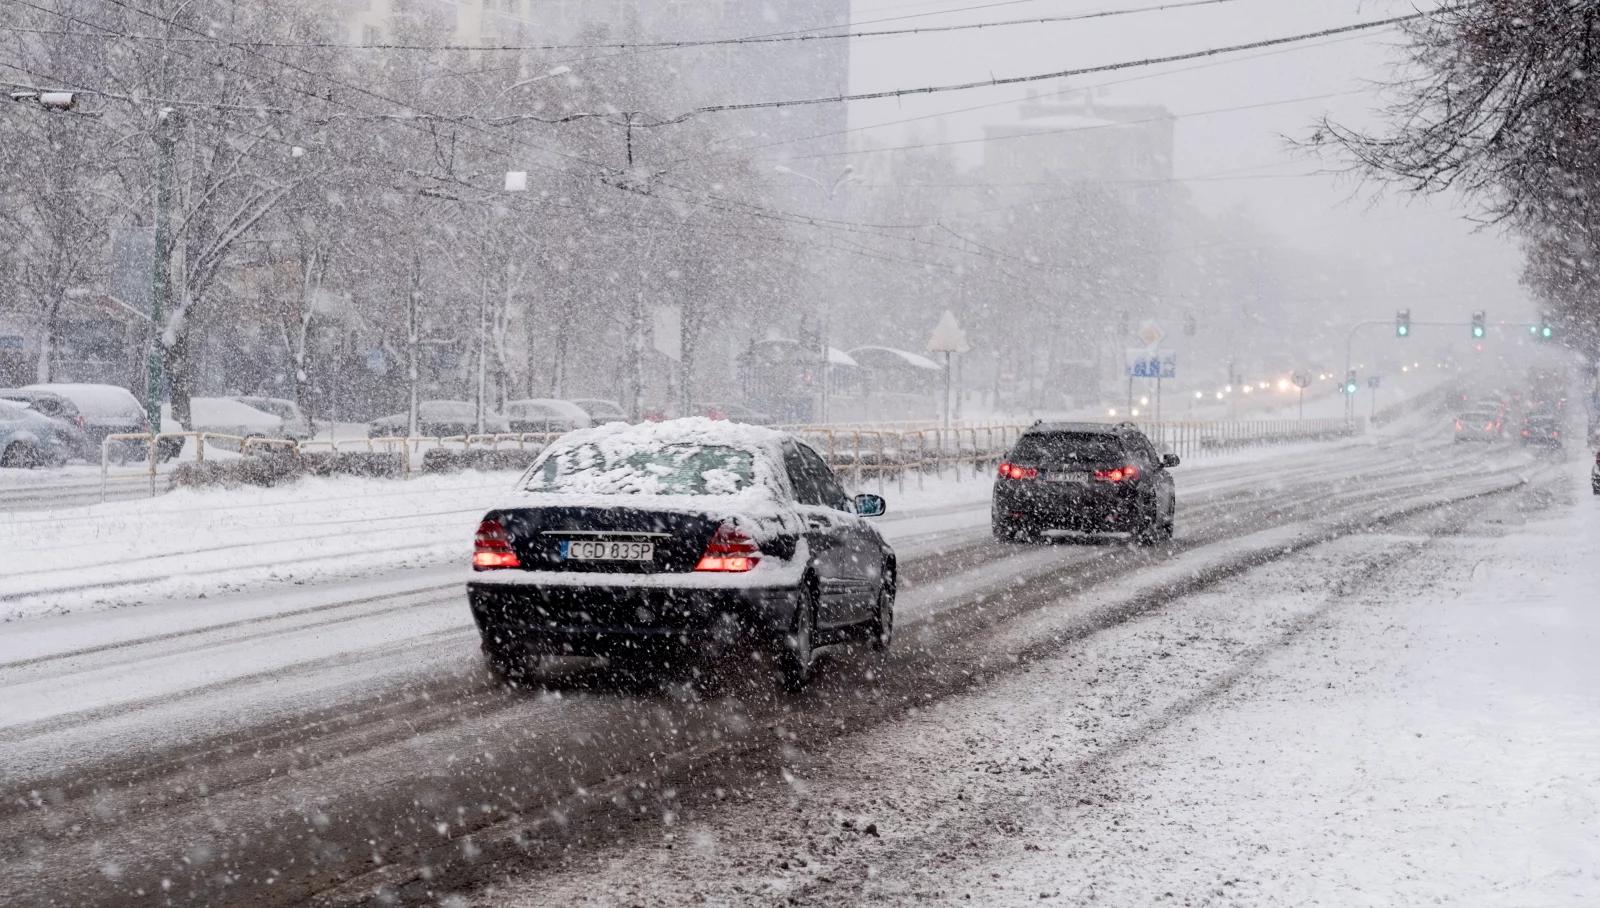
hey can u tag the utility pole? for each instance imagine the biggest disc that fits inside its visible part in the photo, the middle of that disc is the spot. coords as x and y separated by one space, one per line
169 123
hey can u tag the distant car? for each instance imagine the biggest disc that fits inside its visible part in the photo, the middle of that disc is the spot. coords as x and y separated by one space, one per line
1085 477
688 534
1481 424
29 438
225 416
61 410
441 419
1541 429
545 415
733 413
295 423
106 410
601 411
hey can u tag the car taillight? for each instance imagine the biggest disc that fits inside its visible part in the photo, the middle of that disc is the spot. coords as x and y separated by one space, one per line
1117 474
1489 426
492 548
730 551
1526 434
1012 471
79 420
1459 426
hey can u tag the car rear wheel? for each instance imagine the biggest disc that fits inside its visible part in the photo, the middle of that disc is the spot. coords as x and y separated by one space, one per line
1008 531
17 455
797 656
509 664
1153 530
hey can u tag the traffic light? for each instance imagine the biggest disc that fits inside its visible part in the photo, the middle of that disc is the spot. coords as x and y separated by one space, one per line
1402 323
1479 324
1351 386
1545 330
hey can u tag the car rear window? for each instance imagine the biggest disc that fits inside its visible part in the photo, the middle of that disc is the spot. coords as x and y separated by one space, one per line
667 470
1067 448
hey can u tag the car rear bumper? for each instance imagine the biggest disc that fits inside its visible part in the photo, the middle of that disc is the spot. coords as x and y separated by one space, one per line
1049 506
596 620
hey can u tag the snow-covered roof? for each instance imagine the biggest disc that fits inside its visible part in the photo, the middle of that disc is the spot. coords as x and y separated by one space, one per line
222 414
914 360
96 400
618 441
547 407
836 357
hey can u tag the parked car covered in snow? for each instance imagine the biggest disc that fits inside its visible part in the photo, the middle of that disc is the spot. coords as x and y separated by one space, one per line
601 411
545 415
224 416
629 540
29 438
63 411
440 419
106 410
295 423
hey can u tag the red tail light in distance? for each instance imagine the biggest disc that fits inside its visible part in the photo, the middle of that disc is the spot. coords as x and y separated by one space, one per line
492 548
1118 474
730 551
1012 471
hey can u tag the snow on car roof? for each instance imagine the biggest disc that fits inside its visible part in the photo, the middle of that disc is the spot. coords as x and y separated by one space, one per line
619 440
96 400
564 408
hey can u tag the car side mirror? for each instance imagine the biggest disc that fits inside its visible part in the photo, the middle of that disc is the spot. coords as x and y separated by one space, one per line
871 505
1170 460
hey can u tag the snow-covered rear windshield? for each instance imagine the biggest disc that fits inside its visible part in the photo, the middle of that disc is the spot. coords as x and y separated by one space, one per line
684 469
1068 447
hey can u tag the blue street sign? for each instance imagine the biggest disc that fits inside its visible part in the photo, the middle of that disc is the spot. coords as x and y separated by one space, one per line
1161 365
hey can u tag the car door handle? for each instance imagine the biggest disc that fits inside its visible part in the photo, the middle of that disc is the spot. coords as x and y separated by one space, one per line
819 523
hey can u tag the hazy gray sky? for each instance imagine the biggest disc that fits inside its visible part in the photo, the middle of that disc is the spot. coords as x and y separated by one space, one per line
1422 252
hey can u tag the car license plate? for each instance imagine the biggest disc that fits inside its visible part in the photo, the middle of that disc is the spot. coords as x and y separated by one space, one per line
607 550
1079 479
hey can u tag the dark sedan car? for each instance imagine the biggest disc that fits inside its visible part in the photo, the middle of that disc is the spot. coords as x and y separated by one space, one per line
691 535
1085 477
1542 430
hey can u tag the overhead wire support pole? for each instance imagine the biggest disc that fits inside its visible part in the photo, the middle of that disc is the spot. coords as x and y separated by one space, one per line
168 123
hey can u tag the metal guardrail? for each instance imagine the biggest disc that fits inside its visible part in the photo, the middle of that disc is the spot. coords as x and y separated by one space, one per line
875 454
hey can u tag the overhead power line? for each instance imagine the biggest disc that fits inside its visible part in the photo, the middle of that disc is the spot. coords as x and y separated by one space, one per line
780 38
1088 127
1065 73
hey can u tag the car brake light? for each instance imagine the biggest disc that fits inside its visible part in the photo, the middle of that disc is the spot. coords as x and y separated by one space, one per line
1526 434
1118 474
1489 426
1012 471
492 548
1459 426
730 551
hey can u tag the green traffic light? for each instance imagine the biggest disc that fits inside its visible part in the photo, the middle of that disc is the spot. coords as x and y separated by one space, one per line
1402 330
1477 331
1547 332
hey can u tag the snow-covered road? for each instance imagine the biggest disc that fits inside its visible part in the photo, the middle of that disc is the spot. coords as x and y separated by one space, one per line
1403 716
326 728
